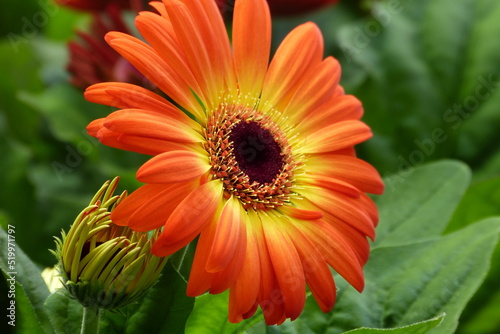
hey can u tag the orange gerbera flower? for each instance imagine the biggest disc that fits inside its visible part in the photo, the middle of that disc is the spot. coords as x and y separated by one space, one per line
263 170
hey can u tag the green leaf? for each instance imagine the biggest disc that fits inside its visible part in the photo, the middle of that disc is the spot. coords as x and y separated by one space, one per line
22 75
419 202
29 285
20 316
63 106
65 313
414 282
417 328
429 71
481 201
165 309
210 313
182 260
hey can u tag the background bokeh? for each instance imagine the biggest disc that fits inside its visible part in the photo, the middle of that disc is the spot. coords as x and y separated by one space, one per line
427 72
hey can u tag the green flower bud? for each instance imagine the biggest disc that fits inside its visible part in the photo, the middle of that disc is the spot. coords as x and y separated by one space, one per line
103 265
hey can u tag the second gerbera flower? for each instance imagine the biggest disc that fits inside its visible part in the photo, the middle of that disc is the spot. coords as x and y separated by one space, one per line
264 170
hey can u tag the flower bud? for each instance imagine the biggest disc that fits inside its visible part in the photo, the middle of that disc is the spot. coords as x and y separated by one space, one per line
103 265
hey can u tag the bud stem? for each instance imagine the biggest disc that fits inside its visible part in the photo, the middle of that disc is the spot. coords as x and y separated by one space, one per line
90 321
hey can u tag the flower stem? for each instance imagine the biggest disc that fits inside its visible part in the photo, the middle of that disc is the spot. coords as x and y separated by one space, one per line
90 321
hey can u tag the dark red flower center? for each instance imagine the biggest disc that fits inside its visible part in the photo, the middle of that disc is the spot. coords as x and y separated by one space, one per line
256 151
250 154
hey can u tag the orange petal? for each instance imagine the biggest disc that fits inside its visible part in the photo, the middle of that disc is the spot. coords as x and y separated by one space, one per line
336 251
251 44
332 184
225 278
314 90
148 124
153 67
244 291
122 213
301 49
189 218
337 136
173 167
199 278
230 230
157 209
160 34
354 238
148 146
370 208
286 263
337 109
94 126
347 209
160 7
316 272
192 41
124 96
210 22
300 213
351 170
269 295
137 144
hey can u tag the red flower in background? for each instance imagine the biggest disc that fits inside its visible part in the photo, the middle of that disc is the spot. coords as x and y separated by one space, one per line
95 5
293 7
92 60
284 7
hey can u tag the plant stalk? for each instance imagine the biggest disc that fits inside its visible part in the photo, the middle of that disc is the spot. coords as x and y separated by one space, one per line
90 321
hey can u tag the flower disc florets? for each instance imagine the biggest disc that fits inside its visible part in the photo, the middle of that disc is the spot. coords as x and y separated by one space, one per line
250 153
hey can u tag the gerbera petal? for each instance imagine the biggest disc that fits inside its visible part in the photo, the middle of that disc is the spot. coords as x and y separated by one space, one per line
189 218
94 126
244 291
230 233
144 123
318 276
251 44
159 33
302 47
192 40
287 265
356 240
345 208
122 213
351 170
153 67
137 144
173 167
127 96
298 213
332 184
315 90
199 278
337 109
144 145
155 211
209 19
337 136
336 251
225 278
369 207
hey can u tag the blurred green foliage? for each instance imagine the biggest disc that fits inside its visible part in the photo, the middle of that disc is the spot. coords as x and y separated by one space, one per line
426 71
